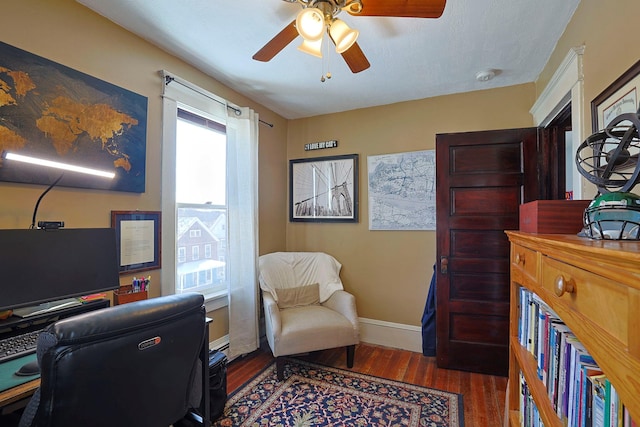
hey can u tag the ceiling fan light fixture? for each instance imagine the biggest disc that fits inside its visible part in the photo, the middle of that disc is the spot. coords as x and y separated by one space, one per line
311 47
343 36
310 24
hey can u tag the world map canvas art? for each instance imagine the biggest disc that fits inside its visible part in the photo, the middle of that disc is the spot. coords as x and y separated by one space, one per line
50 111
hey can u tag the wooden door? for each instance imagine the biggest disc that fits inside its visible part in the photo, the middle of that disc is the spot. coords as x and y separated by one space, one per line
481 180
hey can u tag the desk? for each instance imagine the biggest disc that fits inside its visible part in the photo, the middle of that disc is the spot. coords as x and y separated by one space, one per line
18 393
15 390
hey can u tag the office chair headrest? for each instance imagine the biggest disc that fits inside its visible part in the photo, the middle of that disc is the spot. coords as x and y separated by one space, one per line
118 320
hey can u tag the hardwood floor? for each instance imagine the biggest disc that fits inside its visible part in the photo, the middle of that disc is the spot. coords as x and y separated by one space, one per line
484 395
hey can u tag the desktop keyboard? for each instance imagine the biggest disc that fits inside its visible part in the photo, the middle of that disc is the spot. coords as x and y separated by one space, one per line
18 346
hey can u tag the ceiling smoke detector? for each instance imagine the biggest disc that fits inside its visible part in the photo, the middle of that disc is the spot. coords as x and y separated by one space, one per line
485 76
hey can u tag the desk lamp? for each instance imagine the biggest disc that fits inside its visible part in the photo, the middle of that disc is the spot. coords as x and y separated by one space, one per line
53 225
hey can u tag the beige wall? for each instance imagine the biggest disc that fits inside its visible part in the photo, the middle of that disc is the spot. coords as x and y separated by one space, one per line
67 32
389 271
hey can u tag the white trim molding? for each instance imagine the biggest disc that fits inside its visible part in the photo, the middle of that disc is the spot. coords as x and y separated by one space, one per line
558 92
221 344
565 87
388 334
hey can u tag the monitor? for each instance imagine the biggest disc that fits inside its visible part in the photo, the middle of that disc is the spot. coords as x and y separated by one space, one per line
39 266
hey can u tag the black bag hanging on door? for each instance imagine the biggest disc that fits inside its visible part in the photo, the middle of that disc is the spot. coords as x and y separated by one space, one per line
429 319
217 383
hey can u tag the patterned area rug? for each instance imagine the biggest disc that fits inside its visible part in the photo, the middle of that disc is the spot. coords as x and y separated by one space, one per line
314 395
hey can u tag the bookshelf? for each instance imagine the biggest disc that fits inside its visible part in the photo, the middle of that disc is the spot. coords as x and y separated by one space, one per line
594 287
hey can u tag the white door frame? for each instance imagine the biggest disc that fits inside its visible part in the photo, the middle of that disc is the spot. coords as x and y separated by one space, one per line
565 87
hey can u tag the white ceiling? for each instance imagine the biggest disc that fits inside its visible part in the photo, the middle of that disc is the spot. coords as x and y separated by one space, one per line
410 58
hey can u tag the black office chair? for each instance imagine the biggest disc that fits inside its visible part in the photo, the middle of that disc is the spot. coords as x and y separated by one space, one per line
135 364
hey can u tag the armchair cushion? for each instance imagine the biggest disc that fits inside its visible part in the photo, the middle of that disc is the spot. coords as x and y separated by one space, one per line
298 296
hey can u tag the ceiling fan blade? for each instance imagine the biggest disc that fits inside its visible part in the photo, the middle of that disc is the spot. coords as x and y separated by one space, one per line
355 59
402 8
276 44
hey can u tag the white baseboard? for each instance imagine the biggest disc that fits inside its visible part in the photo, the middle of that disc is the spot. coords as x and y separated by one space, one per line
388 334
221 344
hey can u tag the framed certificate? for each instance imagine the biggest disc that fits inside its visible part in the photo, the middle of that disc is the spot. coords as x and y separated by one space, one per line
138 240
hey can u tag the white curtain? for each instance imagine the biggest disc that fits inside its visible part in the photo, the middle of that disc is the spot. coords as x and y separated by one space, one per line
242 164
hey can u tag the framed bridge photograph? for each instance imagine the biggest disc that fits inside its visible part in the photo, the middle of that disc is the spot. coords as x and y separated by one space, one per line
324 189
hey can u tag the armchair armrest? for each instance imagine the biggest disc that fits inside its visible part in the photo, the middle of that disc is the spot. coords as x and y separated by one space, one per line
344 303
273 322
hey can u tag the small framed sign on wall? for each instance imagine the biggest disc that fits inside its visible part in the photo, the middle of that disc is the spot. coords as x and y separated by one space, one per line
324 189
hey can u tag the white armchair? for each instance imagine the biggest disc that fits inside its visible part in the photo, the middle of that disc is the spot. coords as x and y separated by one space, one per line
306 308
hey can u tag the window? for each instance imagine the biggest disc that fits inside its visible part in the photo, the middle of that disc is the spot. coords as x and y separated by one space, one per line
201 202
182 254
210 183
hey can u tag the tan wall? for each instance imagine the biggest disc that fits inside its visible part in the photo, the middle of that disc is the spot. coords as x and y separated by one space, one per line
66 32
389 271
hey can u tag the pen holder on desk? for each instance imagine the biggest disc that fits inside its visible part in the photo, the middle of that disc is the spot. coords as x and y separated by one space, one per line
125 295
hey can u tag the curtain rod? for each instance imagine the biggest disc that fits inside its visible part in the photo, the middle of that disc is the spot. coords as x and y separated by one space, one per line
169 79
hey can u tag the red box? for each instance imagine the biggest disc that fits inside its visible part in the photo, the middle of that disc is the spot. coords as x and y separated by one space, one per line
553 216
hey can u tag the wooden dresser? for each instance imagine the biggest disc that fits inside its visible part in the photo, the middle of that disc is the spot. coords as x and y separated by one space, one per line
594 286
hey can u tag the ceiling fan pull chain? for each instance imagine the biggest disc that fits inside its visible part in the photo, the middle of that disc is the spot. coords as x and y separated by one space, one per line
326 55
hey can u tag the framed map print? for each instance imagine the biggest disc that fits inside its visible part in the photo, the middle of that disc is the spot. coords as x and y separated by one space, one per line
402 191
52 112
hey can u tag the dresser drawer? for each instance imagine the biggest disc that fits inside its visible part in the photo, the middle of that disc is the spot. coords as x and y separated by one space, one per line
524 263
591 300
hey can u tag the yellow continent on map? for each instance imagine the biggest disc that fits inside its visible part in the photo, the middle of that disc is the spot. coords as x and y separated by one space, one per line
63 120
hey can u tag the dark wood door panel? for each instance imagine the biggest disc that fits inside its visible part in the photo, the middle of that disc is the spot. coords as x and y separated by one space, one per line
480 329
465 243
477 308
485 201
486 180
494 222
476 159
478 265
493 287
478 357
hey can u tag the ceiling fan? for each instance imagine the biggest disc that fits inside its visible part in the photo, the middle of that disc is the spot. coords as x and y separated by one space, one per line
319 16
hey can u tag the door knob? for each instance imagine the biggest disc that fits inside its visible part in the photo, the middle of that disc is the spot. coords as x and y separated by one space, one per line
444 265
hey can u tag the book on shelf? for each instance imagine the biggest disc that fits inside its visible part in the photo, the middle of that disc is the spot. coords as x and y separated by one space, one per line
578 390
597 400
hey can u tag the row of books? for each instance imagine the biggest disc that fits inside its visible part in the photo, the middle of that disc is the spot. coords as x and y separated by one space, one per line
578 390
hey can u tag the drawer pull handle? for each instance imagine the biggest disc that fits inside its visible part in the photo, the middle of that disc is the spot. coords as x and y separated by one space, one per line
519 259
563 286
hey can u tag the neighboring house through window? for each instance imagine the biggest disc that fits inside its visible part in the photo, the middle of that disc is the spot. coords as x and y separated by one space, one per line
201 202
